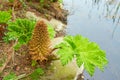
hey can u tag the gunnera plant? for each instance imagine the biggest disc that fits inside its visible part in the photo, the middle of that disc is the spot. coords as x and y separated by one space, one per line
20 30
39 45
84 51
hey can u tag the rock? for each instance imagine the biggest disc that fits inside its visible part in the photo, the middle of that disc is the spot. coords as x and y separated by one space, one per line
60 72
58 25
79 73
56 41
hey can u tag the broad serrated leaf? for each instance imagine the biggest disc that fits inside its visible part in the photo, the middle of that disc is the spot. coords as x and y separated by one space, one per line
20 30
84 51
65 56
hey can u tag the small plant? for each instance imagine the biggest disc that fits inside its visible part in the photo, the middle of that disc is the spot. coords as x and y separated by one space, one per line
4 17
33 63
39 45
11 1
60 1
51 31
41 1
10 76
17 4
20 30
84 51
2 60
36 74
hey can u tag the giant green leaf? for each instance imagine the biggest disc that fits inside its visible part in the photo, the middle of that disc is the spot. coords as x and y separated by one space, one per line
84 51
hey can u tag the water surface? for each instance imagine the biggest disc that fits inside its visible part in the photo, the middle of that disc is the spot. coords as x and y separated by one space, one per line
96 22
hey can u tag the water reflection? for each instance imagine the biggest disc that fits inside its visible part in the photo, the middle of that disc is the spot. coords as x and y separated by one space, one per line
99 21
107 8
111 8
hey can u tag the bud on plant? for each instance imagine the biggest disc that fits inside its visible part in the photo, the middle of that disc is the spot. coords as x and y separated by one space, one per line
39 45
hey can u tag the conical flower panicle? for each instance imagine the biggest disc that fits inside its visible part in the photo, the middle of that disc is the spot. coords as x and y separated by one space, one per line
39 45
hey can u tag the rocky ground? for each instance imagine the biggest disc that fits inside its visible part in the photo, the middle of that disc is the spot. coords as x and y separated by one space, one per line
19 61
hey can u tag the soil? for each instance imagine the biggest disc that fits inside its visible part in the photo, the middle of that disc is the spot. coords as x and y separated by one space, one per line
19 61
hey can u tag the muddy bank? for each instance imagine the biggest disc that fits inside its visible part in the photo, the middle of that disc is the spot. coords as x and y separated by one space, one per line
49 11
19 61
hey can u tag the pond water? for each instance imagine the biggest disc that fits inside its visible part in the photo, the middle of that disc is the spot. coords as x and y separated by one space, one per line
98 21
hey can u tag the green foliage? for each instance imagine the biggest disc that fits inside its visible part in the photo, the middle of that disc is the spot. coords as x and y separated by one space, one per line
51 31
33 63
10 76
2 60
20 30
1 63
23 3
36 74
41 1
11 1
4 17
60 1
84 51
